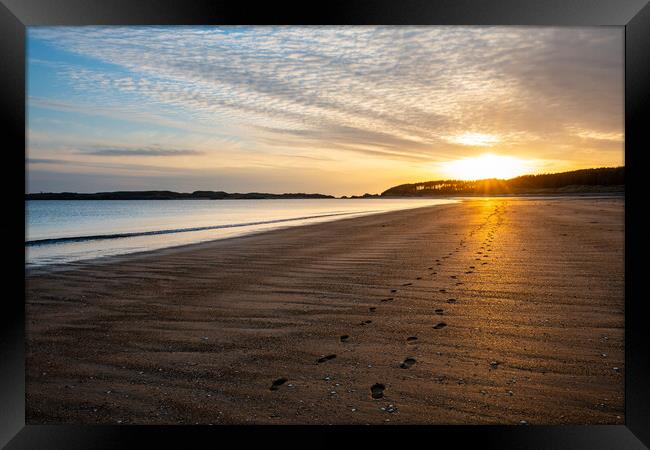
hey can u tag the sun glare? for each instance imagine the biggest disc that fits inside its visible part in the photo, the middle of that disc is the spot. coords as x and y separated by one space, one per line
486 166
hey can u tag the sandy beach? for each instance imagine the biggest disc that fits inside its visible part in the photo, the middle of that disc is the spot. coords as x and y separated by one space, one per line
483 312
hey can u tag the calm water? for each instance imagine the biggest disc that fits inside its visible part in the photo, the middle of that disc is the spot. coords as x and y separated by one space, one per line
61 231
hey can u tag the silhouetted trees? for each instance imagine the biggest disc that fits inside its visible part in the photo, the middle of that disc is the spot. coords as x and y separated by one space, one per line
586 180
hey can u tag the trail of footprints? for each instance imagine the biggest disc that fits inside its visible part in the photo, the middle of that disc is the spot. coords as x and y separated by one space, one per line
377 389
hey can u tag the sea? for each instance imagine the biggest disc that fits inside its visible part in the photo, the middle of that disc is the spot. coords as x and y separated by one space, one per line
59 232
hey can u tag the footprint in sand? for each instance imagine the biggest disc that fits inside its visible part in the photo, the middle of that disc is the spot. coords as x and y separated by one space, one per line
377 390
344 338
326 358
277 383
408 362
439 312
411 339
439 326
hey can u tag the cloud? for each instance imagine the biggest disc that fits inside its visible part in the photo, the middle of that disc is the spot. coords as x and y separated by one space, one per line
44 161
67 165
140 152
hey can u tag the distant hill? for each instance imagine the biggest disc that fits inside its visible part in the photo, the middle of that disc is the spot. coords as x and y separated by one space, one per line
166 195
605 179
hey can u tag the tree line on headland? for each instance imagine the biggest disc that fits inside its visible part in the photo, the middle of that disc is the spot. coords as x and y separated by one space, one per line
605 179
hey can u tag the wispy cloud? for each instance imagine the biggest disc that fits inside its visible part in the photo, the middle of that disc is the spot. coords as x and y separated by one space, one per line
140 152
45 161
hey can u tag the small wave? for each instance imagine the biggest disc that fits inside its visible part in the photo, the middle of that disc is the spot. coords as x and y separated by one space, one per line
97 237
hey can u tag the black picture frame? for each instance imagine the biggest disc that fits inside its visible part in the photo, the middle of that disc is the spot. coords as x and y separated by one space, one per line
634 15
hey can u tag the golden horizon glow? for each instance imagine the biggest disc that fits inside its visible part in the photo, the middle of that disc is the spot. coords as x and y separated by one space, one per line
487 166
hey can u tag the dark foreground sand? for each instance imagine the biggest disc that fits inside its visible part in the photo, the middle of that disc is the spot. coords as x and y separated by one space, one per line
489 311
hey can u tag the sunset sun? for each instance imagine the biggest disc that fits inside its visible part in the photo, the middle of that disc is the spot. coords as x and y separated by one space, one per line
486 166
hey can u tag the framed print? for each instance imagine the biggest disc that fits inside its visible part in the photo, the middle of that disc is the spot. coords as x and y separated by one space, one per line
395 220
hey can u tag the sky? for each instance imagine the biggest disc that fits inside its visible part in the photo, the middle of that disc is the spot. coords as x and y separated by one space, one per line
334 110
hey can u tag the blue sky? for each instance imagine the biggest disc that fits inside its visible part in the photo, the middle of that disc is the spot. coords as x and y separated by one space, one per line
338 110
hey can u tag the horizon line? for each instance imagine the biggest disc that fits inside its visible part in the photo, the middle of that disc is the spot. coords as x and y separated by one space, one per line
319 193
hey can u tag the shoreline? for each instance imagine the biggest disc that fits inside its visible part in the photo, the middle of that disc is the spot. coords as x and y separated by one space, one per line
203 332
46 268
63 265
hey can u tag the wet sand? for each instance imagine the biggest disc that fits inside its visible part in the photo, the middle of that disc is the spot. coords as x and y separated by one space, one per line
483 312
